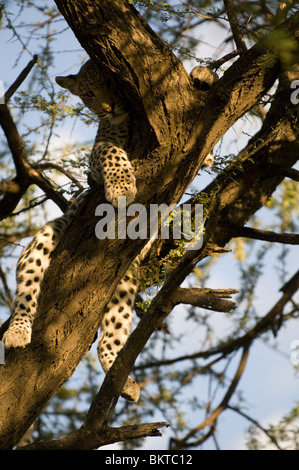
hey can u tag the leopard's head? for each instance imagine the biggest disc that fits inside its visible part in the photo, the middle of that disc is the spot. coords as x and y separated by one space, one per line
97 92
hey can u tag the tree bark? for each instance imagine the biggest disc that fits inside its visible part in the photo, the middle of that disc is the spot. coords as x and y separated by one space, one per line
174 126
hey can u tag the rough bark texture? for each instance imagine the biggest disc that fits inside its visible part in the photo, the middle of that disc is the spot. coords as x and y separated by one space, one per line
179 126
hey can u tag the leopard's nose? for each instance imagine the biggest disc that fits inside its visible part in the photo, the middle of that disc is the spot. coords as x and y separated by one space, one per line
106 107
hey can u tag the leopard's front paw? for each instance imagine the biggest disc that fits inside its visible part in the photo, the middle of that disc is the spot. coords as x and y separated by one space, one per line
17 337
127 192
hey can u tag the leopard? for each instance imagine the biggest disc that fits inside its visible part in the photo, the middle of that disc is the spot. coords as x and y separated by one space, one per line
109 165
108 159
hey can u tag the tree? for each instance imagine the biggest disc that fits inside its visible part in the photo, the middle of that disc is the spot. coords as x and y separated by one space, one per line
175 126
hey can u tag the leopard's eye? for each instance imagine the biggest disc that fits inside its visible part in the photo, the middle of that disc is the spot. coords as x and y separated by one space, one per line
90 94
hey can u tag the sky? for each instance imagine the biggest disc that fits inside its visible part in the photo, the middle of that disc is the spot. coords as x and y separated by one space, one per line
270 381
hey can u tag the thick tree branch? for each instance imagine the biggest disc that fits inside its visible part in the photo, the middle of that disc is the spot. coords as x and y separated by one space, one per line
17 148
138 78
91 439
291 173
210 299
275 145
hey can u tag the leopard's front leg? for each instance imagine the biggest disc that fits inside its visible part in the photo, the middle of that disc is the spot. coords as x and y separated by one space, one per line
111 163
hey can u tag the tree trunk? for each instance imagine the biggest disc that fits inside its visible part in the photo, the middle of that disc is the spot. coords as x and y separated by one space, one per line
174 126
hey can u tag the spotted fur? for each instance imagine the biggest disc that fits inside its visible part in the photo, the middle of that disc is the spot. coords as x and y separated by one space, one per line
108 159
109 162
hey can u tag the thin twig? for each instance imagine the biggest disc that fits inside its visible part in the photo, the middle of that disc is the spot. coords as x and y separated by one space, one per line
257 424
12 239
201 370
55 166
183 443
231 55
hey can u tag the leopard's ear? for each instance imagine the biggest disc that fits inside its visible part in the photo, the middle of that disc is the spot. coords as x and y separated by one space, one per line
69 82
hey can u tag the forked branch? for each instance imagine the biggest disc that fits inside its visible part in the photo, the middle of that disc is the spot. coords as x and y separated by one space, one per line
26 175
212 418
